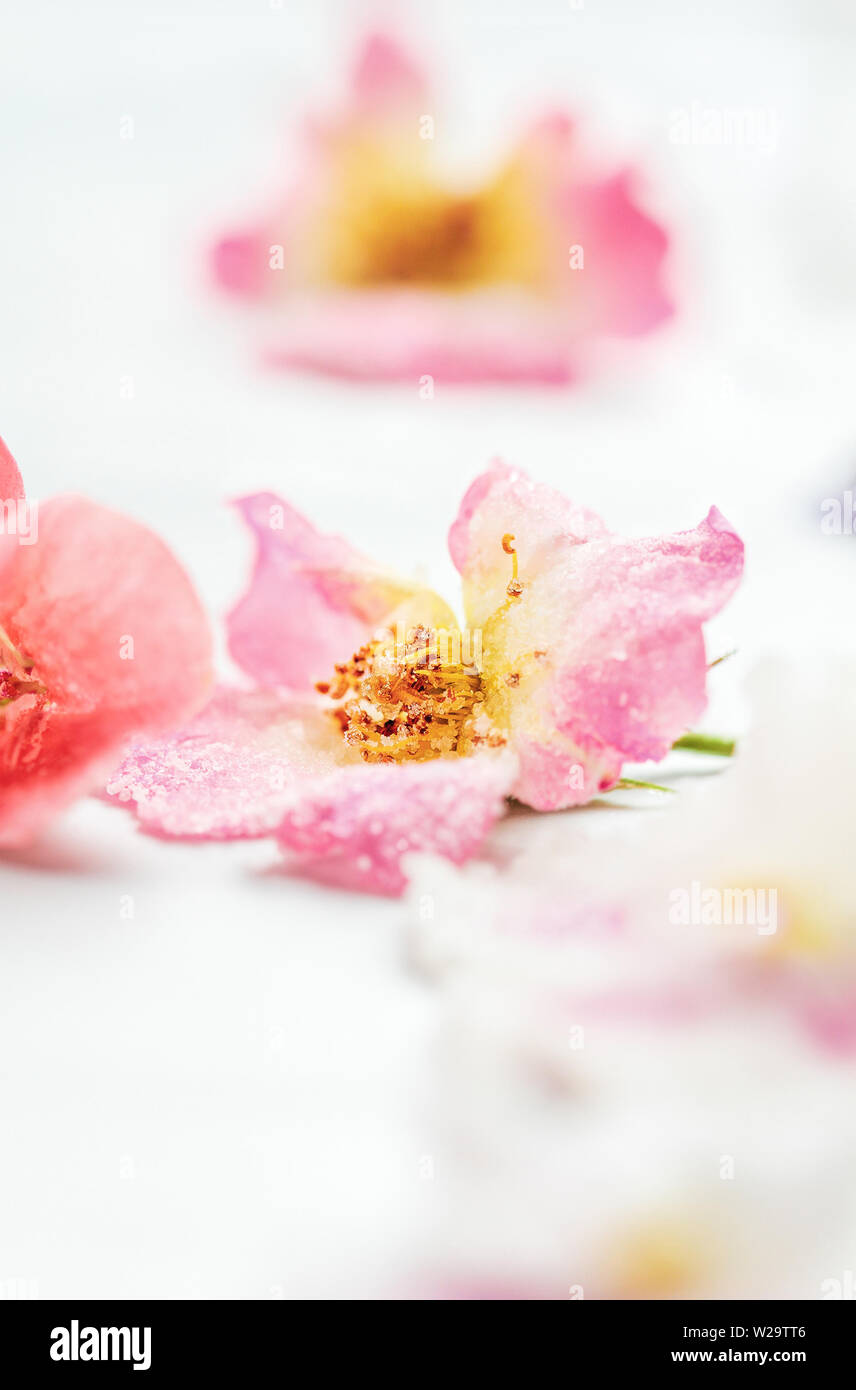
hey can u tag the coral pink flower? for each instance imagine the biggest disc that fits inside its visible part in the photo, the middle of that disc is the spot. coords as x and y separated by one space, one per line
11 484
381 726
377 268
101 637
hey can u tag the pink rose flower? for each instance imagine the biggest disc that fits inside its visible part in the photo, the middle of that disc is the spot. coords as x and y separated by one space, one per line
379 726
101 637
375 268
11 483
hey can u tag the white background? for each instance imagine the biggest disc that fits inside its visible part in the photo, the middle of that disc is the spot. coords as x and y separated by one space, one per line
225 1095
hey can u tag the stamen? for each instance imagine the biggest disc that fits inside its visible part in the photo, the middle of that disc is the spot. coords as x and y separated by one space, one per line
17 658
514 588
418 700
14 676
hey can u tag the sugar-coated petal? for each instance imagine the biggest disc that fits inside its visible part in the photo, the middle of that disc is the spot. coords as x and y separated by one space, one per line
354 828
634 668
600 659
504 501
313 600
11 483
104 637
231 771
46 763
107 615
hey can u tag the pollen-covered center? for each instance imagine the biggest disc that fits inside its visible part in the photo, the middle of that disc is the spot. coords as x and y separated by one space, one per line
412 696
389 222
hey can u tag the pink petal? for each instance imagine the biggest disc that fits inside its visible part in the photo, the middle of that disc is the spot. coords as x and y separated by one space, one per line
116 636
635 671
11 483
831 1022
94 580
353 828
606 636
45 764
425 338
619 290
230 772
559 772
240 263
501 334
504 500
312 600
386 88
386 80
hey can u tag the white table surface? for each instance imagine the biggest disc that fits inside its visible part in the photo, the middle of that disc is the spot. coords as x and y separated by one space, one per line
225 1096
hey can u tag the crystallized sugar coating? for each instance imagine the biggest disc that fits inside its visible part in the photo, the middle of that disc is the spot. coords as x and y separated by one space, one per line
229 773
11 484
107 615
598 657
354 828
102 638
312 600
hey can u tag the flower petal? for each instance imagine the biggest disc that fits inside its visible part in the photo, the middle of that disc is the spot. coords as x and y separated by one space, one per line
600 660
633 676
424 337
11 483
619 290
231 771
312 600
504 501
386 80
240 263
519 273
111 627
47 764
107 615
354 828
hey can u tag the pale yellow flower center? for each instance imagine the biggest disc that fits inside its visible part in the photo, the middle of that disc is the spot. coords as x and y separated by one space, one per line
386 221
420 694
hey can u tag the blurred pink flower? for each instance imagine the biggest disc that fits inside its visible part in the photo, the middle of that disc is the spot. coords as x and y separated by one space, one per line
378 269
381 727
101 637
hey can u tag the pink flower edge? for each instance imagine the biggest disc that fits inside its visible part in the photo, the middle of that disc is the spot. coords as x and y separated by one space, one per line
118 644
355 829
230 772
618 623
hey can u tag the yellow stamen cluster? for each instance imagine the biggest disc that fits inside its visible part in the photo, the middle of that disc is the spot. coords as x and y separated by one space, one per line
388 220
419 695
432 242
414 699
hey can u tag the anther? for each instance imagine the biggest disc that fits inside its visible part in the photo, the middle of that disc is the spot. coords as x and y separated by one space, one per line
514 588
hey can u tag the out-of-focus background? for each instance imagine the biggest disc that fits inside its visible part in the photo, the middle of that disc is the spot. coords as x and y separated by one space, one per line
229 1088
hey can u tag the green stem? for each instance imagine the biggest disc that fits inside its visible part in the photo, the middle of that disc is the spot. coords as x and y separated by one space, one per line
649 786
707 743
